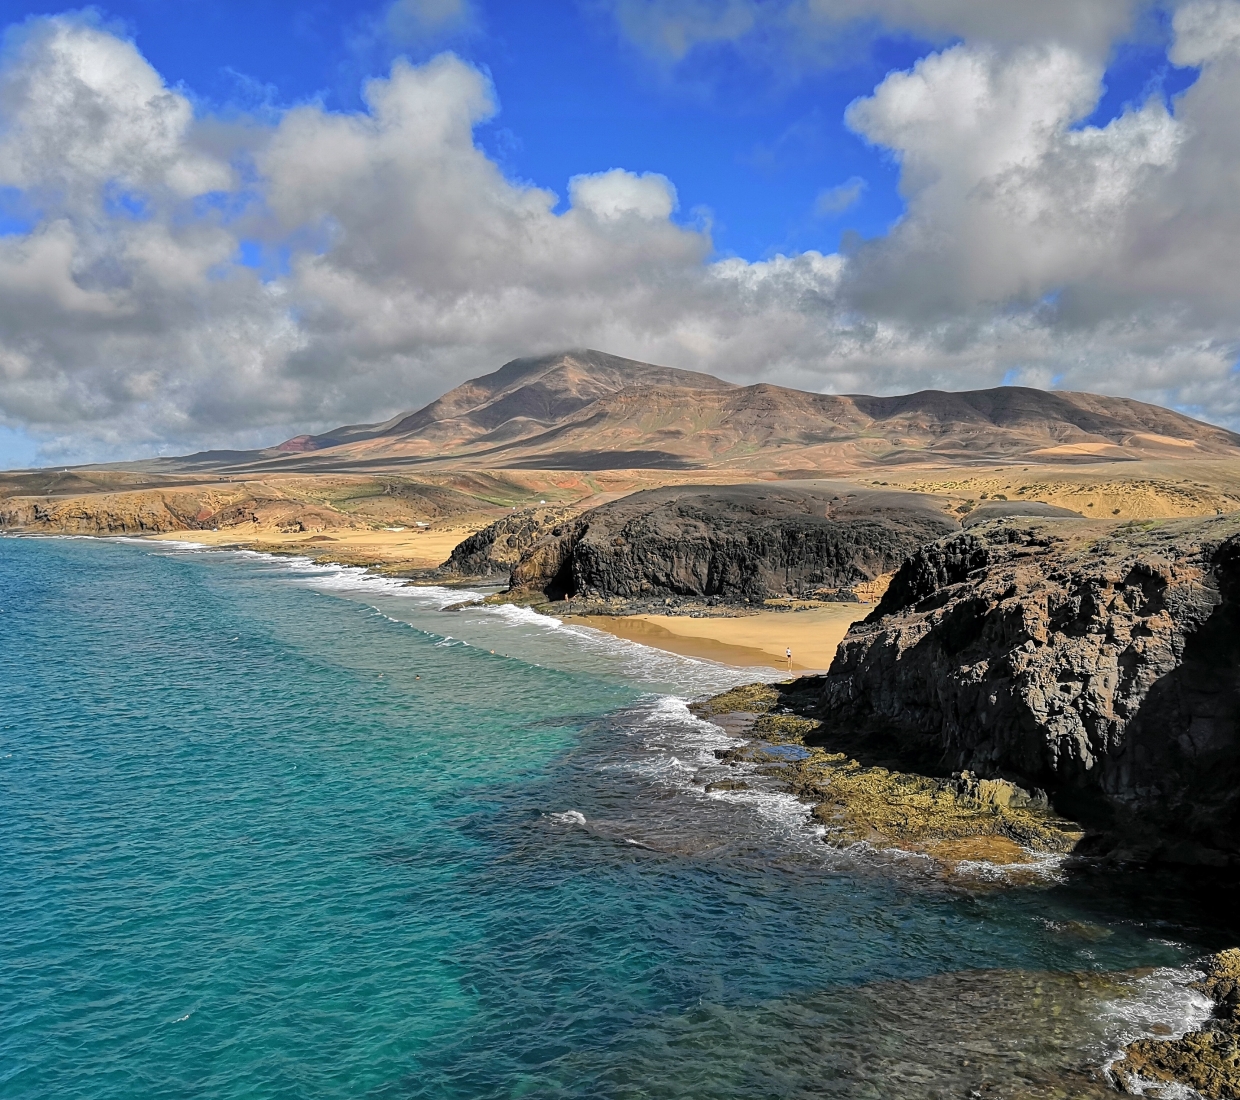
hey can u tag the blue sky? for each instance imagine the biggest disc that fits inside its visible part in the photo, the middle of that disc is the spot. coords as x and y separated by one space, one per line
574 97
850 232
753 147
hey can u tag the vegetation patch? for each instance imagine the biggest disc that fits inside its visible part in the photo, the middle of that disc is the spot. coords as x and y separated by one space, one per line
750 698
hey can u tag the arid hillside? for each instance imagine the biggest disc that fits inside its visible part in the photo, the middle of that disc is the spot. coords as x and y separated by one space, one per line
580 429
586 410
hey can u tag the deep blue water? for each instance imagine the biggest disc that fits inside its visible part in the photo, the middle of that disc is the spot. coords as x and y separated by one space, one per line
275 831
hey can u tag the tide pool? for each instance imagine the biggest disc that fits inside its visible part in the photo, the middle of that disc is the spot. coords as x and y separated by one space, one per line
275 830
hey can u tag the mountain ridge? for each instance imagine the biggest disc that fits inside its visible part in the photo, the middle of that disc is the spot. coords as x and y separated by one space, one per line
585 409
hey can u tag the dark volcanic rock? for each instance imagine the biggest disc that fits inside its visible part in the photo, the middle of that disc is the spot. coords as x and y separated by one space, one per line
1102 664
731 542
497 548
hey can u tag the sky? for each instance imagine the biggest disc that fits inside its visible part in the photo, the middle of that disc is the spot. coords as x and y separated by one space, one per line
223 224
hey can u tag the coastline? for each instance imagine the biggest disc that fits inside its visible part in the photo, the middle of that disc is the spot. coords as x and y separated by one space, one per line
381 551
759 639
1007 986
756 639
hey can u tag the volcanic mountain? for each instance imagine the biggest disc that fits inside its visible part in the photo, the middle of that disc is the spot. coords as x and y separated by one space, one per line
587 410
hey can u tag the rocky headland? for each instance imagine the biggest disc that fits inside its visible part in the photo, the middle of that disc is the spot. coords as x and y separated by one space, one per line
1100 664
732 545
497 548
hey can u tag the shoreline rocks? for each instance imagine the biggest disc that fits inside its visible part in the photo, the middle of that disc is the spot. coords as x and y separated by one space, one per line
1207 1061
1101 664
949 818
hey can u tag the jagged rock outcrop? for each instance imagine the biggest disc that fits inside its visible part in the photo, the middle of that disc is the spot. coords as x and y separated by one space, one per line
731 542
1099 663
497 548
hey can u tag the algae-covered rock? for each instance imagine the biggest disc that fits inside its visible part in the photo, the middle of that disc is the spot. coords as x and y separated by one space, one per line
749 698
918 813
788 729
953 818
1208 1060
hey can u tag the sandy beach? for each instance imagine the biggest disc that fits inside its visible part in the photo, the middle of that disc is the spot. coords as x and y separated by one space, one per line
757 639
746 640
408 547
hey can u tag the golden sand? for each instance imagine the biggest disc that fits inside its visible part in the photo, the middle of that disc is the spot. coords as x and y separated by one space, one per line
410 547
1106 490
747 640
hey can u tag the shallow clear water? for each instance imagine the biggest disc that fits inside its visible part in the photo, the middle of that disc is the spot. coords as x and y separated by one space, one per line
273 830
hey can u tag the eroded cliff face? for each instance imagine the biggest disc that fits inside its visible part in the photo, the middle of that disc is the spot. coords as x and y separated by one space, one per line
1102 664
735 543
110 514
149 512
500 545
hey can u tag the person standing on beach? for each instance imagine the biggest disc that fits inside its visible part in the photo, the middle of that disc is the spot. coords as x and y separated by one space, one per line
790 658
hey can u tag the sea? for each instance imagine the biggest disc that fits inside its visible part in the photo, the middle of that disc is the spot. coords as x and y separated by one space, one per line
277 829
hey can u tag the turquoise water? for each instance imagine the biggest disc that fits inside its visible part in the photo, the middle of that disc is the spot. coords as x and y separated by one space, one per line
273 830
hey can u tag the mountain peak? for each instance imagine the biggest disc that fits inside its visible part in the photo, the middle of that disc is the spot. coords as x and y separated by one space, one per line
585 409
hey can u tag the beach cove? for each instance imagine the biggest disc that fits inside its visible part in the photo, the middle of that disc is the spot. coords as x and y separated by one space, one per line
759 638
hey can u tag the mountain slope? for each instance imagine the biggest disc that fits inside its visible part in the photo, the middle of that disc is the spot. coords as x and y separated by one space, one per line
588 410
523 397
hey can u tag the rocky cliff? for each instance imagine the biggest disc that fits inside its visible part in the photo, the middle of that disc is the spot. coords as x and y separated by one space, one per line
498 547
149 512
100 502
1099 663
735 543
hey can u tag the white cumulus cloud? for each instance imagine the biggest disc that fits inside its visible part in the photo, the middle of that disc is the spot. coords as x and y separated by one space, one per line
614 194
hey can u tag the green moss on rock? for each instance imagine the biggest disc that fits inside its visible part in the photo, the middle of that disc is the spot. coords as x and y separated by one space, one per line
749 698
952 819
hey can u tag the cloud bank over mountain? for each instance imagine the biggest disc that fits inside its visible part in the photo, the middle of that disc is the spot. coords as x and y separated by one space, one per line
172 278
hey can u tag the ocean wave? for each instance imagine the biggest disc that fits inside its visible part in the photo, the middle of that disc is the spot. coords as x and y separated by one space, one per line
641 664
515 613
677 750
1040 865
1162 1005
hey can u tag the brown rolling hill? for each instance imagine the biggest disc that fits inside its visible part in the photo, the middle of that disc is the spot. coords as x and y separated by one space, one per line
587 410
